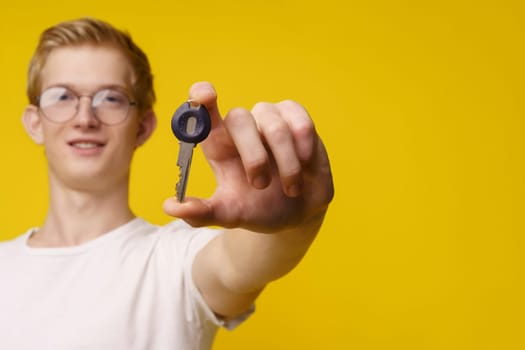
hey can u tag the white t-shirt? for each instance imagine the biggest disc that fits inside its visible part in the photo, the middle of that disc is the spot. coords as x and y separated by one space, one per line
130 288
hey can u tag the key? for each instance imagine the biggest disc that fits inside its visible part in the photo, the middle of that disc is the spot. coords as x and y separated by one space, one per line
191 124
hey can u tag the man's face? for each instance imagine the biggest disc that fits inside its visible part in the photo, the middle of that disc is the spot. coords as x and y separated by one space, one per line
83 153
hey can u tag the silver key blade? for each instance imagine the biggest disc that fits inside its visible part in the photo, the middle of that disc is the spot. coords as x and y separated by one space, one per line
184 163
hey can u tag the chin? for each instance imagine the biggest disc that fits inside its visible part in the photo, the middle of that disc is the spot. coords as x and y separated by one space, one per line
91 180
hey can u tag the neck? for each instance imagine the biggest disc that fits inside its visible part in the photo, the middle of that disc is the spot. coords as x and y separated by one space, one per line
77 216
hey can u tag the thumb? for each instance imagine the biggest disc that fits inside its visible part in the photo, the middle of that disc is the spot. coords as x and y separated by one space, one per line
195 211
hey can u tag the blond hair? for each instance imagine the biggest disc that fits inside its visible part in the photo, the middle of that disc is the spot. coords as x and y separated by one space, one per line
90 31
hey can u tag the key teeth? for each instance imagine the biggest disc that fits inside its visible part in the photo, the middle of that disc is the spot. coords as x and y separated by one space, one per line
179 186
178 194
184 162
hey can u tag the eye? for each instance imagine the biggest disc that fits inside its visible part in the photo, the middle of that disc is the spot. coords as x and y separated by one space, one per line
55 96
110 99
64 96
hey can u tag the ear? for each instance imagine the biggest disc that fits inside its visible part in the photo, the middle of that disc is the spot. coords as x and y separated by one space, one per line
33 124
147 125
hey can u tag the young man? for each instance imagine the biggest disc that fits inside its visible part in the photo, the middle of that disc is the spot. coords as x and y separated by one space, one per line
94 276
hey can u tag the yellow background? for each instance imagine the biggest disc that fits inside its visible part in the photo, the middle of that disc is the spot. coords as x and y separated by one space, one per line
420 104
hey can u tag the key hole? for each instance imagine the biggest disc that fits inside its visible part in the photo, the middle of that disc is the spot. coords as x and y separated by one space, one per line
191 125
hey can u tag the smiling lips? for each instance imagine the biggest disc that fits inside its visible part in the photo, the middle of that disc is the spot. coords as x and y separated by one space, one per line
86 147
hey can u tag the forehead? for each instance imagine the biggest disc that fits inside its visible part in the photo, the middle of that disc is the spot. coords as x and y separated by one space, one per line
86 68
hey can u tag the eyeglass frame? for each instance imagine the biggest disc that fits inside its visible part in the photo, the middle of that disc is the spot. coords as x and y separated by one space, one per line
93 108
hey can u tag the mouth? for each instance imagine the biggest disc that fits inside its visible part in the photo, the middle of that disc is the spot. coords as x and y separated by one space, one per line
86 145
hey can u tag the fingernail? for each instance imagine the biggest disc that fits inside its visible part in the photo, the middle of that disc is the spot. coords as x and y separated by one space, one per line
293 190
260 181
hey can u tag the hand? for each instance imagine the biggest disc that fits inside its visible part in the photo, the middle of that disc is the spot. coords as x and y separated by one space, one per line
271 168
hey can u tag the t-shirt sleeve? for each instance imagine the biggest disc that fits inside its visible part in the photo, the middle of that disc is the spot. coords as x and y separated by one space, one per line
197 308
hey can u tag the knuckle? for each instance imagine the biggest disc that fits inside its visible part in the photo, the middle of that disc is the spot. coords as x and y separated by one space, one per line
256 163
261 107
237 112
277 130
292 107
236 117
303 128
292 172
289 103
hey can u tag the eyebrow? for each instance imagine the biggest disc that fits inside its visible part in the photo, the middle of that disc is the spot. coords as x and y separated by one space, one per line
75 89
98 88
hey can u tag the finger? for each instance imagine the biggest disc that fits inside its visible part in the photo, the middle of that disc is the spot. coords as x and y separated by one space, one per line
204 93
194 211
219 140
279 139
243 130
301 127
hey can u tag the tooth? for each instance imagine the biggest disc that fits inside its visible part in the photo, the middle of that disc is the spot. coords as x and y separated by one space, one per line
85 145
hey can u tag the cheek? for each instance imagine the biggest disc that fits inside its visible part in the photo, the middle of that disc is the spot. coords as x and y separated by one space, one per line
127 141
51 140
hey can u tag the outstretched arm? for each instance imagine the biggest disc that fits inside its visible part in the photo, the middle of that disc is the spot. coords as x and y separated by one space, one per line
274 186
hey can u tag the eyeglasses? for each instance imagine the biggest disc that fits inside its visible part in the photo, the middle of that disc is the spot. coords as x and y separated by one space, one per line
60 104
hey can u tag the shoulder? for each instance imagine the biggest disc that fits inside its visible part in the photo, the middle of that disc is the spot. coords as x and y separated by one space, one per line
184 238
176 238
180 230
177 231
15 245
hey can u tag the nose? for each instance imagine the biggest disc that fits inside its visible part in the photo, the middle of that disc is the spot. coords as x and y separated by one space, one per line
85 116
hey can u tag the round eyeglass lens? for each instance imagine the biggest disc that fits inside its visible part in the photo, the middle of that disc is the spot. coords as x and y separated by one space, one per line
111 106
58 103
